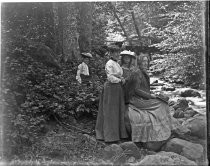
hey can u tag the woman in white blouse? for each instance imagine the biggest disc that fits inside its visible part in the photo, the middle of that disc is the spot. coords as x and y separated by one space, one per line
110 124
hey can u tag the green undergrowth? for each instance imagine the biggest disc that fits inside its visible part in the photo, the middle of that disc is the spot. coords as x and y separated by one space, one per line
61 145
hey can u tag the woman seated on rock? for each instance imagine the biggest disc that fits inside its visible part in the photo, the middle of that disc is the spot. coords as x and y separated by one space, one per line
149 117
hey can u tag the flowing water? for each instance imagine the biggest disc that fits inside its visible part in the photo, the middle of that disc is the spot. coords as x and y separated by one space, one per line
197 103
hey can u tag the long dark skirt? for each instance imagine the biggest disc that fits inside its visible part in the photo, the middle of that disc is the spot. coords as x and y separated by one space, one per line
110 124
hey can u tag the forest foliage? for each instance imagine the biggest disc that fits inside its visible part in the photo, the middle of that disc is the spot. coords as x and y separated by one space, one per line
36 88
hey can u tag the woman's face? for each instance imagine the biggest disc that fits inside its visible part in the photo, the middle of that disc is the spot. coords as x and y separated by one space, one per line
115 55
126 59
133 62
145 62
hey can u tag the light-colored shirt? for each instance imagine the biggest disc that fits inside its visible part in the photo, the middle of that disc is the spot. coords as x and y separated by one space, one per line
82 69
114 71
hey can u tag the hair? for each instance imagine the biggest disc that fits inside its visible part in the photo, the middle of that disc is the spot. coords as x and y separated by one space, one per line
130 85
141 57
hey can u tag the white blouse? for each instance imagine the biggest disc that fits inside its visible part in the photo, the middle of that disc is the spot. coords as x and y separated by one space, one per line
82 69
114 71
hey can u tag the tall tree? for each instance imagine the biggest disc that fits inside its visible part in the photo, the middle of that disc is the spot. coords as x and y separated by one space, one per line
85 25
65 23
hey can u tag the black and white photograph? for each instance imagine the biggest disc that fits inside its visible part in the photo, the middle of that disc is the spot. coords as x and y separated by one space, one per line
104 83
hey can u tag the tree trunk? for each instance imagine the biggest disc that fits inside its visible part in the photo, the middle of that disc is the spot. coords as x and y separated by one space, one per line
59 27
118 19
85 26
65 21
136 26
57 45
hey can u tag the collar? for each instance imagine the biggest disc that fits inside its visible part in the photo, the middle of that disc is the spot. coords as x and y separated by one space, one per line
125 67
113 59
84 63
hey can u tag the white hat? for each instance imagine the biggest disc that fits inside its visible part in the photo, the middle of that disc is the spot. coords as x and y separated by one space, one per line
88 55
126 52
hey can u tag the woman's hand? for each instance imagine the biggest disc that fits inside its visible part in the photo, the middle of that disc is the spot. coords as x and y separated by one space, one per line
122 80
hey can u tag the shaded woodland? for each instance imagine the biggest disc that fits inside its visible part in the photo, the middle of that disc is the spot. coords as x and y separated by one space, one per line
41 46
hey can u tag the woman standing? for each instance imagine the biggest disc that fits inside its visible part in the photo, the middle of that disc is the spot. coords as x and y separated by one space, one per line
128 63
128 60
110 124
149 117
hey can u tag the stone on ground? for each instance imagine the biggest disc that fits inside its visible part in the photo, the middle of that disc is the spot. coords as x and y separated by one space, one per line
165 158
197 126
178 113
168 88
190 93
132 149
154 146
189 112
177 128
182 104
114 153
190 150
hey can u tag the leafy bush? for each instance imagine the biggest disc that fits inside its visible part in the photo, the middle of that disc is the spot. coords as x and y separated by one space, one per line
187 67
33 93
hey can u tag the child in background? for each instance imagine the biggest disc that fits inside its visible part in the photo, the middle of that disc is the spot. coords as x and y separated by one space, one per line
83 74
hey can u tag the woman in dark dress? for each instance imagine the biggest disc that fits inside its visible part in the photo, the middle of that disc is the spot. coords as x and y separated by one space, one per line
149 116
128 64
110 124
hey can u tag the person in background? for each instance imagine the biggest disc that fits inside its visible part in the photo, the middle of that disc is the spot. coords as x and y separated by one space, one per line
83 74
110 124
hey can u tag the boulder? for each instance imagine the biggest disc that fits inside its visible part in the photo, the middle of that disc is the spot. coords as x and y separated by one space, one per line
190 93
43 54
156 81
179 113
179 129
131 149
165 158
154 146
197 126
114 153
178 81
152 87
190 150
131 160
189 112
157 84
168 88
158 71
182 103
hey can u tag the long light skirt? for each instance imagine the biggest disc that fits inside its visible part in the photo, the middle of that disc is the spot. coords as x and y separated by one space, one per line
150 120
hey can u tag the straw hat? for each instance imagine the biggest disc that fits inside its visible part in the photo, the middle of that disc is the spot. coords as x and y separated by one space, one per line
129 53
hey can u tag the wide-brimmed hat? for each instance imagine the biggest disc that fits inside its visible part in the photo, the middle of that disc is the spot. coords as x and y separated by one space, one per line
86 54
129 53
